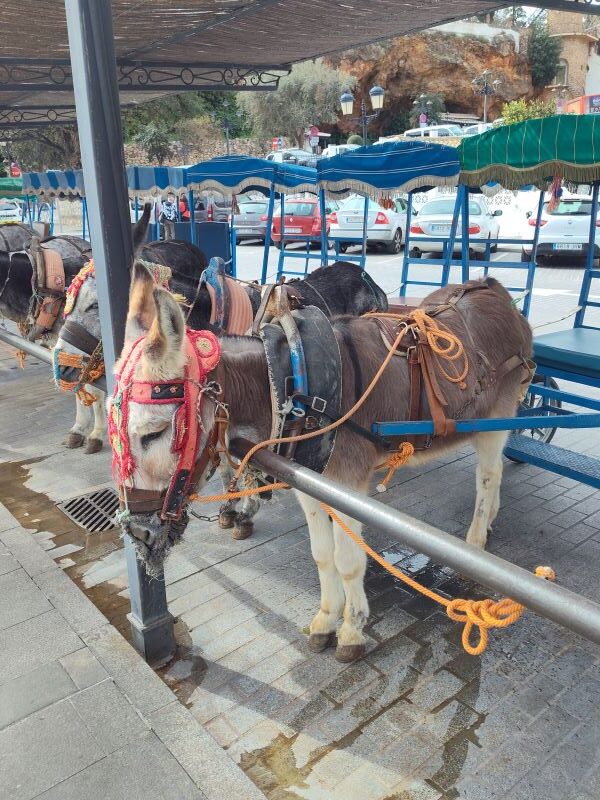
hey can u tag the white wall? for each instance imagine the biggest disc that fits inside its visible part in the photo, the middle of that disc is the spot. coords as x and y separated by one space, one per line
592 81
476 29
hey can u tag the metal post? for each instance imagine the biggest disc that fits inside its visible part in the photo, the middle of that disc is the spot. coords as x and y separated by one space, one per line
191 203
589 264
282 231
405 264
549 600
227 136
363 262
324 242
52 217
452 238
531 267
464 248
83 217
267 246
93 63
365 121
136 208
485 101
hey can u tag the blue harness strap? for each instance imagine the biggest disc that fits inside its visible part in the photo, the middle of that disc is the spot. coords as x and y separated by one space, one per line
214 276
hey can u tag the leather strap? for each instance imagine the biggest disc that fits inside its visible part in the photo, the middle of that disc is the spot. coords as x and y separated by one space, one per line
78 336
264 302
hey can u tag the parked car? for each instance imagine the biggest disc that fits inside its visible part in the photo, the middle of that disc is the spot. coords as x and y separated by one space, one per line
212 207
251 222
478 127
433 131
336 149
10 211
564 231
385 227
293 155
435 219
303 217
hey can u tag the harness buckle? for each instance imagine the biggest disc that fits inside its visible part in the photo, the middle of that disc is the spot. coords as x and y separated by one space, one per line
318 404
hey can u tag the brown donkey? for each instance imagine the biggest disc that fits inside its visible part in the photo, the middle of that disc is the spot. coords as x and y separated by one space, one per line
496 339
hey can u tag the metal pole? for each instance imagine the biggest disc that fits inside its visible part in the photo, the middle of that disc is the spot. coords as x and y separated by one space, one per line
227 136
589 264
531 267
451 243
324 242
91 46
485 97
191 203
363 262
549 600
365 121
405 262
83 218
464 249
267 246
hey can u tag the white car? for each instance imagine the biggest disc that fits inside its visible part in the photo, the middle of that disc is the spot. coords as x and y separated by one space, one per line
10 211
435 219
564 231
385 227
337 149
478 127
433 131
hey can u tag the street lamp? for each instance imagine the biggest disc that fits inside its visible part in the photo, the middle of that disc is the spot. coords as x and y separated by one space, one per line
376 94
423 106
483 84
225 121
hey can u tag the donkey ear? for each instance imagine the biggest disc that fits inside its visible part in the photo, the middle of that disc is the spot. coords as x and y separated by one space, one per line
166 333
142 309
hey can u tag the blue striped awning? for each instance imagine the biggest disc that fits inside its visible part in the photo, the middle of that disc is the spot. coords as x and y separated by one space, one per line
385 169
235 174
54 183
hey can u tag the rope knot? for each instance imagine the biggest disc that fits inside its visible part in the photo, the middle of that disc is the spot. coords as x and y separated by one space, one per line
394 461
484 615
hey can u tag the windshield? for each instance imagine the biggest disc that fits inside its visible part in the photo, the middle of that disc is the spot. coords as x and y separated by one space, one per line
7 207
299 209
570 208
447 207
455 130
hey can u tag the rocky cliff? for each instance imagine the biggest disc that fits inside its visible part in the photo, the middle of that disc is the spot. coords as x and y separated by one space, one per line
437 62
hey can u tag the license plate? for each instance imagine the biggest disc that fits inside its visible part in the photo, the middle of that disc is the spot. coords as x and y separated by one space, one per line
293 230
568 246
441 228
353 220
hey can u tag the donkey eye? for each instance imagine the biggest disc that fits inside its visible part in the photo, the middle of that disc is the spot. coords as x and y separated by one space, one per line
147 439
91 307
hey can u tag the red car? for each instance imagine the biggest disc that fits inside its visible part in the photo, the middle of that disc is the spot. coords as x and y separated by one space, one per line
302 217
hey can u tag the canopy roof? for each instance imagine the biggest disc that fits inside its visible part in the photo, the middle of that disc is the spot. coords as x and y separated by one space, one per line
533 152
54 183
11 187
383 169
198 44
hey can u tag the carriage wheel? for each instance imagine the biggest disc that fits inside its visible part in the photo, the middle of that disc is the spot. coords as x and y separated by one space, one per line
530 404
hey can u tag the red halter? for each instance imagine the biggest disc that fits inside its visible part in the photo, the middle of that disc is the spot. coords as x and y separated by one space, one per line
203 354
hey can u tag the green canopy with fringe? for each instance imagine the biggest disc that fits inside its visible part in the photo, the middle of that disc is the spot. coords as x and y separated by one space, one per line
534 152
11 188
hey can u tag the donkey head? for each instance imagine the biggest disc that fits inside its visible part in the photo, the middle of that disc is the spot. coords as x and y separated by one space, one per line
161 418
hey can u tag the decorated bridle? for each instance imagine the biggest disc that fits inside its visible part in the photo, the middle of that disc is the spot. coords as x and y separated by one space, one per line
203 353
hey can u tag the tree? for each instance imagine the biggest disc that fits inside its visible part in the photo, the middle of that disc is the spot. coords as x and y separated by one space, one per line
520 110
543 54
309 95
355 139
155 139
515 16
434 110
54 147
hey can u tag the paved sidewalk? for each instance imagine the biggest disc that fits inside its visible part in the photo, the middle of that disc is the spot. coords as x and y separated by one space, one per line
81 714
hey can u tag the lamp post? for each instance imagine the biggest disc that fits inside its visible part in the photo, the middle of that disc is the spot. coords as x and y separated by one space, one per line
225 121
483 84
347 102
423 106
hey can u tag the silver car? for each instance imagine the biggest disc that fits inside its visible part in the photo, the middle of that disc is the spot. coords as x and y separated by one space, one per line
435 219
385 227
249 223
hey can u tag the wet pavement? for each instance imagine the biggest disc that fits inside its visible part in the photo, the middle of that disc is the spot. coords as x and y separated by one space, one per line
416 718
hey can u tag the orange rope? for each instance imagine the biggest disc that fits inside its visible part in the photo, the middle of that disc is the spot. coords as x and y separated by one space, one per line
215 498
480 614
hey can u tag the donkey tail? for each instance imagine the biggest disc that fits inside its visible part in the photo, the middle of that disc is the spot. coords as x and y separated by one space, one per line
141 227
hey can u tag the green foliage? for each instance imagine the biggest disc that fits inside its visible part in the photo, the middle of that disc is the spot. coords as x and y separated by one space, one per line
393 120
543 54
434 111
515 16
55 147
155 139
309 95
355 139
520 110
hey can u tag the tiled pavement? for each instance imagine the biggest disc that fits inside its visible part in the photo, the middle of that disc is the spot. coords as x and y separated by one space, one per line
416 719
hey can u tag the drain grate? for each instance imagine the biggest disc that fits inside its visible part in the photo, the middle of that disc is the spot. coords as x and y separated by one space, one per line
94 512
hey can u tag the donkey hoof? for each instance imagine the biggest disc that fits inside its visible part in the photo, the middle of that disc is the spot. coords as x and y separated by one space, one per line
93 446
226 519
346 653
243 530
317 642
74 440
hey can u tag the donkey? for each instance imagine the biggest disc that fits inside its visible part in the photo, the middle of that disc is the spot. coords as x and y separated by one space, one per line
341 288
481 314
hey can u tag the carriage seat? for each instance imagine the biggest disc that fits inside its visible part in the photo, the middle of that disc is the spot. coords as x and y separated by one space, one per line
576 350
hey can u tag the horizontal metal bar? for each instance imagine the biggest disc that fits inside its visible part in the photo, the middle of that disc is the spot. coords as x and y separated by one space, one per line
549 600
574 377
565 397
37 351
496 424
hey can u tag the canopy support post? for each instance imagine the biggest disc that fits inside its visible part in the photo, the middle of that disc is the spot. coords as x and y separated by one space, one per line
282 242
324 251
450 244
267 246
83 217
532 266
91 44
191 203
363 259
136 209
52 201
405 264
589 262
464 248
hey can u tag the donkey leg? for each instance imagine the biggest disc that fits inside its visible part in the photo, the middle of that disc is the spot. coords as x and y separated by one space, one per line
489 446
77 434
227 511
351 563
96 437
325 622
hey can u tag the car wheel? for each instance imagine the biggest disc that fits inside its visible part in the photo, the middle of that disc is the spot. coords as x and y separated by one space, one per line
395 246
414 253
529 406
343 247
525 257
278 245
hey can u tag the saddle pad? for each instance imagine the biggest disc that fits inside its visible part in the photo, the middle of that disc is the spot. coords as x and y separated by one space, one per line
54 273
324 378
240 316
